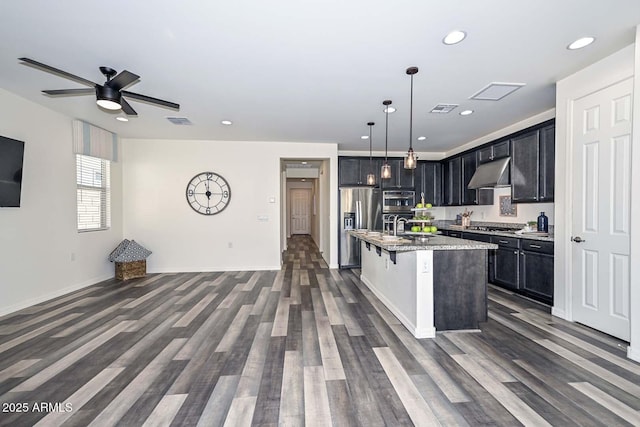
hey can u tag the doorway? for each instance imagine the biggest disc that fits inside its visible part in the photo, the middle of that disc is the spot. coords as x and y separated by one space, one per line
300 212
600 225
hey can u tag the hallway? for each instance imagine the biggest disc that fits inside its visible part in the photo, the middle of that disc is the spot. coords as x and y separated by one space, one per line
303 345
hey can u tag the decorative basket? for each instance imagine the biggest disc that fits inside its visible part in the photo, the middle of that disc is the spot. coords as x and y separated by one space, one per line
130 259
131 269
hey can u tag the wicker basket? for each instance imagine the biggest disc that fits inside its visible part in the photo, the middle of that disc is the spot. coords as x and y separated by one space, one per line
131 270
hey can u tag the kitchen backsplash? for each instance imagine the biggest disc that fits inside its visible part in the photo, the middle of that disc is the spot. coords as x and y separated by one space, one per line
525 212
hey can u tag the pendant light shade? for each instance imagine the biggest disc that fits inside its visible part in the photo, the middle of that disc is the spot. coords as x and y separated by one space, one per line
385 173
371 177
411 160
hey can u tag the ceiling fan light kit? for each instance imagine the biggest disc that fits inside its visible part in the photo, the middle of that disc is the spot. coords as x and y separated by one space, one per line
108 95
108 98
411 159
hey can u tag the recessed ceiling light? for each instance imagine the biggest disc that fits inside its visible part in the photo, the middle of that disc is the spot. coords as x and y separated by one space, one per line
122 119
454 37
466 112
303 180
391 110
422 138
227 122
364 137
304 163
581 42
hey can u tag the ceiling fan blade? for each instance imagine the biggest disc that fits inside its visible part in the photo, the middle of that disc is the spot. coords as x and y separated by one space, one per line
60 92
151 100
52 70
122 80
126 107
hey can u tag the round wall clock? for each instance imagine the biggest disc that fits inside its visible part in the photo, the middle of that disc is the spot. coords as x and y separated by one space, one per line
208 193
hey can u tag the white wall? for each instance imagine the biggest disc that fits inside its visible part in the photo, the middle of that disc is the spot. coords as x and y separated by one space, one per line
609 70
38 239
157 215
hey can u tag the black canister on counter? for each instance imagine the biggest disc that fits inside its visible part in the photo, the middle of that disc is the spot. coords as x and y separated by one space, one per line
543 223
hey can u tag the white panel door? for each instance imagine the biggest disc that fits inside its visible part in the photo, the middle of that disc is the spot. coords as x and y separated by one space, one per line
300 211
601 128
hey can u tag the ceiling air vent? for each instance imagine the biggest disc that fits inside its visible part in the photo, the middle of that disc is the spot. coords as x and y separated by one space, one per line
496 91
180 121
443 108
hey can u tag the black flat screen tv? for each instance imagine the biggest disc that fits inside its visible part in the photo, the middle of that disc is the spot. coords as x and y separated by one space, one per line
11 156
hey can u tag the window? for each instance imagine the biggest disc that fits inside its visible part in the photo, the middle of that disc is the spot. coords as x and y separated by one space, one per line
93 192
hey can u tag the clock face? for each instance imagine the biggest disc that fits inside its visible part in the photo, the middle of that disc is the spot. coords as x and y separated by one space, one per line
208 193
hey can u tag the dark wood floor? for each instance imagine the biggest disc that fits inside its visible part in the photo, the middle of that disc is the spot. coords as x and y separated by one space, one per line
302 346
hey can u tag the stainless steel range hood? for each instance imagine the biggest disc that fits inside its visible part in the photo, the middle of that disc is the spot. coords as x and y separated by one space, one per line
490 175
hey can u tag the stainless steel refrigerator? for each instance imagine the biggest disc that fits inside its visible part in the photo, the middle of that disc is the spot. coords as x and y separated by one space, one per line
360 208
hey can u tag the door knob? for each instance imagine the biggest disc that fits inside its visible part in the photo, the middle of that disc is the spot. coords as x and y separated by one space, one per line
578 239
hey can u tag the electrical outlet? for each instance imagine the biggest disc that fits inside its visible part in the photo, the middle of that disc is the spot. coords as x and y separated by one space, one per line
230 245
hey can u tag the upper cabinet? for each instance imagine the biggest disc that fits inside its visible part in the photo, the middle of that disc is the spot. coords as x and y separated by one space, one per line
494 151
453 181
428 180
457 174
400 177
547 163
354 170
532 166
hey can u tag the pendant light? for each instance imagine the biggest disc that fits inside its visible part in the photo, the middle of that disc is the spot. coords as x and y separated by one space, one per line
411 159
386 168
371 177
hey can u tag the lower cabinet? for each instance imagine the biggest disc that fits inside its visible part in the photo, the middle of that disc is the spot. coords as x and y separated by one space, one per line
524 266
506 262
536 270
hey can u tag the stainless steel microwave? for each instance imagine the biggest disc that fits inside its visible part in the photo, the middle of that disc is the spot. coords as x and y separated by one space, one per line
398 201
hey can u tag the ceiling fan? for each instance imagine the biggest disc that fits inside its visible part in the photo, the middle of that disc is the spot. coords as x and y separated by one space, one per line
109 95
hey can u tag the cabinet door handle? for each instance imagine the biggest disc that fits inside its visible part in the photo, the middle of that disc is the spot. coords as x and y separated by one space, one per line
503 241
535 246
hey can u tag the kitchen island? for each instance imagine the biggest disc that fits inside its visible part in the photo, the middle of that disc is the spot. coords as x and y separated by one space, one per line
437 283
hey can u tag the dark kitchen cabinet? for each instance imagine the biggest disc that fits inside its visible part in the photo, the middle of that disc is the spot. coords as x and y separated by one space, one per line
483 196
400 177
478 237
428 180
494 151
506 262
547 163
354 170
453 182
533 165
453 233
536 270
525 151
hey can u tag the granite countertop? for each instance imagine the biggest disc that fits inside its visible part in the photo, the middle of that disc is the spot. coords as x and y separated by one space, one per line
407 244
548 238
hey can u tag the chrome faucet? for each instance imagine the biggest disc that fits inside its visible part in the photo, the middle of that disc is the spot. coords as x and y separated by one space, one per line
397 220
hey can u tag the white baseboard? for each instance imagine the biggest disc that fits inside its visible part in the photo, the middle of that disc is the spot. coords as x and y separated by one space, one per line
44 298
559 313
418 333
210 270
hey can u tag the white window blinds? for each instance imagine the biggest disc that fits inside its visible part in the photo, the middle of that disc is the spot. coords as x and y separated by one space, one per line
93 180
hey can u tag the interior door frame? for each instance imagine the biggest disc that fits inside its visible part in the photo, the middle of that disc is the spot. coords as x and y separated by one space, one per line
309 192
609 71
